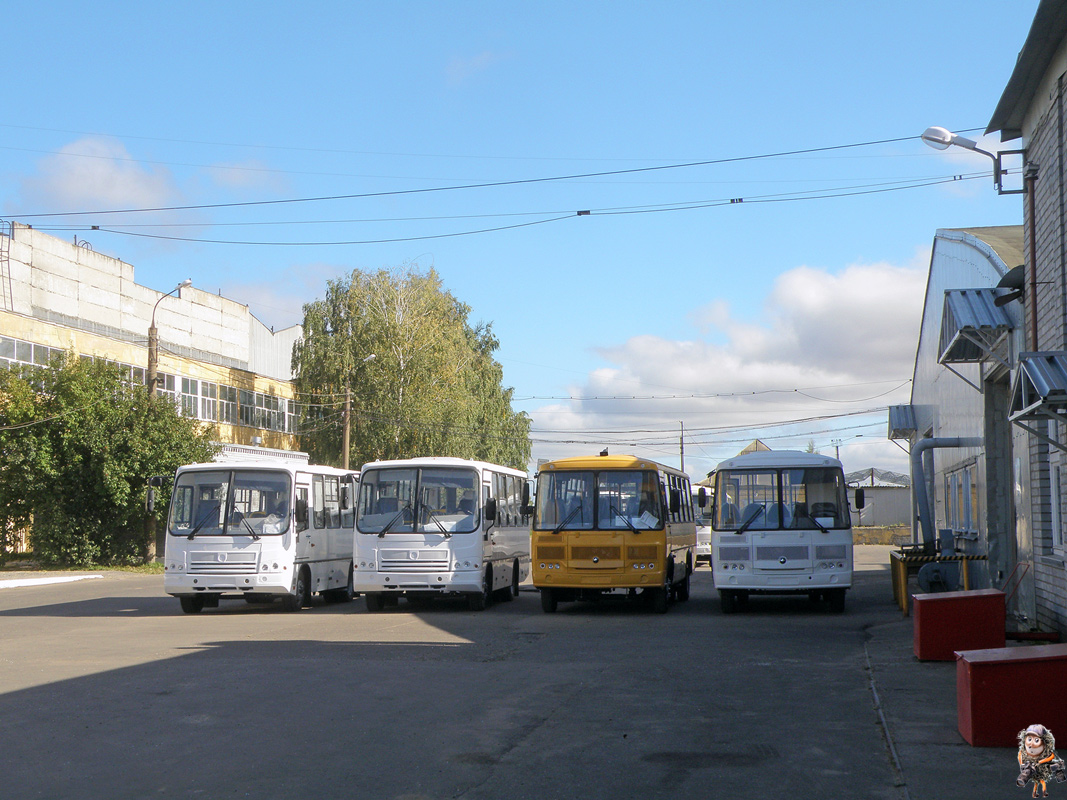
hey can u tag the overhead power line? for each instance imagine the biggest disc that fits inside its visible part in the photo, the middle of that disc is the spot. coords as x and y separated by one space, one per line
482 185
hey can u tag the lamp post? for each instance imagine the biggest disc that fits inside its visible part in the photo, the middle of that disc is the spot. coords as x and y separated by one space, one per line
941 139
347 416
153 340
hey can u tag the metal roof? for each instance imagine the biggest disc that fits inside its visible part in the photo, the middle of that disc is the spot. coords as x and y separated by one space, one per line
1039 390
1046 33
972 325
901 422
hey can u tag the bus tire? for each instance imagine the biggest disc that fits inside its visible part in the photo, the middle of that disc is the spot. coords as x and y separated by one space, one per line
728 601
681 589
549 603
374 602
342 595
300 596
479 601
837 600
512 591
192 603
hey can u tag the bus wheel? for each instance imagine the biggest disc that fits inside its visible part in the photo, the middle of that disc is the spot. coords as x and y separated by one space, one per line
659 599
837 600
548 601
374 602
301 594
681 589
512 591
192 603
479 601
728 600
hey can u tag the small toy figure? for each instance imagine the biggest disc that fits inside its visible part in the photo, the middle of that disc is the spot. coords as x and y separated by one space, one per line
1038 761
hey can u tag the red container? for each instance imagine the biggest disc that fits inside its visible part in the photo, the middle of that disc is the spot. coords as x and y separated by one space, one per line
1002 691
949 621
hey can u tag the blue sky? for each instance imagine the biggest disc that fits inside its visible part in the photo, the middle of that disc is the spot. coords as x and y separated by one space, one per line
667 305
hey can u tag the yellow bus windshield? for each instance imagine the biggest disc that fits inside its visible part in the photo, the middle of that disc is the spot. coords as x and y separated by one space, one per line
598 500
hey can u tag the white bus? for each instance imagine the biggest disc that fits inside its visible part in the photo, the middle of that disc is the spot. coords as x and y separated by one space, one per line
262 526
702 511
781 525
430 527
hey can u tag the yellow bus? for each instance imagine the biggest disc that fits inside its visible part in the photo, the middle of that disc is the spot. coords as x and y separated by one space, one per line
612 523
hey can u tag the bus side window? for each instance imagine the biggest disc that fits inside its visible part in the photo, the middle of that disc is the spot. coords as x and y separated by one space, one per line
318 516
301 509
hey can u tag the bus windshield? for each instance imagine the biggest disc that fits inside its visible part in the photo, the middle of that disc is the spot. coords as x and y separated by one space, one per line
605 500
230 503
772 499
418 500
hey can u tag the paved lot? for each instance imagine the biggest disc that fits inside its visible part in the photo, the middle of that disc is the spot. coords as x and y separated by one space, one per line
108 691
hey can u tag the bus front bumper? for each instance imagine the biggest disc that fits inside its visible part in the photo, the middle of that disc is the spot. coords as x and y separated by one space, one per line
460 581
185 584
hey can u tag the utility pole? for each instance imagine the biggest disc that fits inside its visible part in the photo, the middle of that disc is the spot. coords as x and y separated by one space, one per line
681 444
153 341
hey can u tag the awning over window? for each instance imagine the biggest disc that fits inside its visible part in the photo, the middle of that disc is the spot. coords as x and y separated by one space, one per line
1039 392
901 422
972 326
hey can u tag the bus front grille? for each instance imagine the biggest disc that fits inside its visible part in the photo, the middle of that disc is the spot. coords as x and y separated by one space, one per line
221 563
588 553
830 551
414 560
788 552
733 553
642 552
552 552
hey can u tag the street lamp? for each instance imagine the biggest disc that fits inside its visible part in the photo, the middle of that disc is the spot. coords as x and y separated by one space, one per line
153 340
941 139
347 421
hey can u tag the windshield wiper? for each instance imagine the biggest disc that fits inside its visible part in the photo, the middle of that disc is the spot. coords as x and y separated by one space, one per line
746 523
196 529
569 517
626 520
390 523
437 522
251 530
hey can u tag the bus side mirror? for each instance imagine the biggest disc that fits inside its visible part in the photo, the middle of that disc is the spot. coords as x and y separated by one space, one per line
301 509
676 501
860 498
154 482
702 497
527 507
490 509
346 496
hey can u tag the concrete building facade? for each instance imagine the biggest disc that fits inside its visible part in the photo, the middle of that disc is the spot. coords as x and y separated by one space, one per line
216 360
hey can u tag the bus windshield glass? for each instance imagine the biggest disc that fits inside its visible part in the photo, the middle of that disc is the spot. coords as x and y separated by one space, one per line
773 499
231 503
424 500
605 500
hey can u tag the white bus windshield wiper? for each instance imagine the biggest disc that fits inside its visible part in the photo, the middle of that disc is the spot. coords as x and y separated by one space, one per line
196 529
437 522
748 522
390 523
251 530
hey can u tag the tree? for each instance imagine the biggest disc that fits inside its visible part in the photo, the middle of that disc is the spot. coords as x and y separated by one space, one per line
432 388
78 444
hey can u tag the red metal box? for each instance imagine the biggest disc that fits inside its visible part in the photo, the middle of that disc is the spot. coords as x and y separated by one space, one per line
949 621
1002 691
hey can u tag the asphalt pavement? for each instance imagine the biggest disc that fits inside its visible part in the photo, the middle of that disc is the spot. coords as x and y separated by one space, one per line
916 747
916 702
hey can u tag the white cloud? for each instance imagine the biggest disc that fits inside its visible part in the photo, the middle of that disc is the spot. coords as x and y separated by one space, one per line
96 173
828 343
460 70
